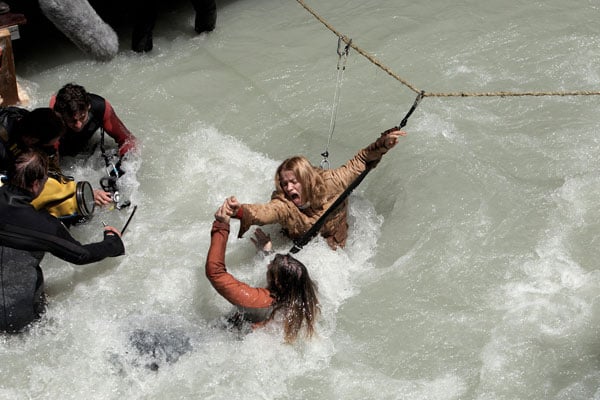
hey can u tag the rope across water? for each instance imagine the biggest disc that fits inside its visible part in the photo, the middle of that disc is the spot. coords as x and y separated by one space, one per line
424 93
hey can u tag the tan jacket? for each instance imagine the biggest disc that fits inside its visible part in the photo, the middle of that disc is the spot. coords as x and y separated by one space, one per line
295 222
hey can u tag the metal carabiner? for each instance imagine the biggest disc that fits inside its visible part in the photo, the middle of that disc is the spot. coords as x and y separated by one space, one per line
325 160
339 47
342 53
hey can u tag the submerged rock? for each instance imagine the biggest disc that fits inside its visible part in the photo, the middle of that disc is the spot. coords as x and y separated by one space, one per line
158 347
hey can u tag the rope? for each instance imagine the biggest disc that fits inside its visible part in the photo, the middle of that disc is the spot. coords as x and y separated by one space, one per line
342 59
514 94
314 230
378 63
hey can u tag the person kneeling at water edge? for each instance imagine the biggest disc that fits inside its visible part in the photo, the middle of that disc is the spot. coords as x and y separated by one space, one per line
289 291
25 236
83 114
22 130
303 193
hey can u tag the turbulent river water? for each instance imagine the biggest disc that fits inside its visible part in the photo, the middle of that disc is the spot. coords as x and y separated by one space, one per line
471 270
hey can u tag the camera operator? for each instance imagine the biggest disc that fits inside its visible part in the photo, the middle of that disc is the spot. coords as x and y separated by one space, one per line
25 236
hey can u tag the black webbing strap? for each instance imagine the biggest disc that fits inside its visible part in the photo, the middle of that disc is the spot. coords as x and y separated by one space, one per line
312 232
412 109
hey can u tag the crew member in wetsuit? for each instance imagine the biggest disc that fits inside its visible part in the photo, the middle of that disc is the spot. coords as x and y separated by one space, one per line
304 192
21 129
290 293
25 236
84 113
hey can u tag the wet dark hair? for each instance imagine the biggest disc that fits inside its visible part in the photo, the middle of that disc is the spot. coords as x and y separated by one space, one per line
28 168
42 124
295 295
71 99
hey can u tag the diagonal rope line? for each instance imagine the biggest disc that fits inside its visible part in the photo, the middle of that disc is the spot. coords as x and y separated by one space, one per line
358 49
378 63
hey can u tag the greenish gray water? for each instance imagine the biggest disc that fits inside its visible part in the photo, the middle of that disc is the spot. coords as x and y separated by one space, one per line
471 270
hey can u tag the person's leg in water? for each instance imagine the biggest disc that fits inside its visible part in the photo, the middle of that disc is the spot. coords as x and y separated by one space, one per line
145 13
206 15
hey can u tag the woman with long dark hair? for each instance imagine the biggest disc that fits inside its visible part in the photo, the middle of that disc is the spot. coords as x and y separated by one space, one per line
290 292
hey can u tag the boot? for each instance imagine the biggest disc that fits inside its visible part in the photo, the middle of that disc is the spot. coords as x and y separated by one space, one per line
206 15
145 13
141 40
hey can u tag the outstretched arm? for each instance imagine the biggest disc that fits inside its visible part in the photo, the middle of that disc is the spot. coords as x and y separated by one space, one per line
371 154
236 292
272 212
61 244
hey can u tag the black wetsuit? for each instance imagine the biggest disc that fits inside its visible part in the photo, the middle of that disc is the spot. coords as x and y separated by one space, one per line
25 235
11 134
10 148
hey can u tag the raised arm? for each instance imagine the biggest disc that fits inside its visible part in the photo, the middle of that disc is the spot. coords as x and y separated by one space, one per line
234 291
371 154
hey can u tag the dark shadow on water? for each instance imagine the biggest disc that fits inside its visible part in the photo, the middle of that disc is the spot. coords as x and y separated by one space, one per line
42 43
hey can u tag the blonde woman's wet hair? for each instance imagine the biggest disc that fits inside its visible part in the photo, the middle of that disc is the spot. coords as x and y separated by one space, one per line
313 187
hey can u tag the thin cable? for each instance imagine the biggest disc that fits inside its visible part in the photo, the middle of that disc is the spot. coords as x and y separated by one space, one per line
342 55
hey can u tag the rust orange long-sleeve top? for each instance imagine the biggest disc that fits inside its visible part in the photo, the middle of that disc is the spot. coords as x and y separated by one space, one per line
236 292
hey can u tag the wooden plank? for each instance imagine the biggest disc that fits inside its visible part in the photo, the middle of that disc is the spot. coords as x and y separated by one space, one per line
12 21
8 77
